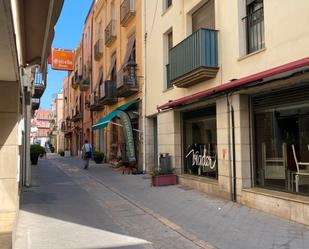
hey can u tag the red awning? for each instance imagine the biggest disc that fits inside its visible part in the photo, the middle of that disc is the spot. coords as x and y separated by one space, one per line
235 84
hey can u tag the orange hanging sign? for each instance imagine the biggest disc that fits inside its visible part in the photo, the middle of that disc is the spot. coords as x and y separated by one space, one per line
62 59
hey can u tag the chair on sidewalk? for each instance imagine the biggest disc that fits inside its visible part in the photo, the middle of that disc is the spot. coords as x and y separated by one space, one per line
301 175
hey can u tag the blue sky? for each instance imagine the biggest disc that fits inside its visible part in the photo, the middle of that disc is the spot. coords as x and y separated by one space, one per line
68 33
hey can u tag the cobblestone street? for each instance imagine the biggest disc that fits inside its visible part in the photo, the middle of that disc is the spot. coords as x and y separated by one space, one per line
68 207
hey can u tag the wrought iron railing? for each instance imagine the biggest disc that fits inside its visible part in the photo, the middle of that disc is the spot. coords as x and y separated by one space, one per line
254 27
110 32
127 10
98 49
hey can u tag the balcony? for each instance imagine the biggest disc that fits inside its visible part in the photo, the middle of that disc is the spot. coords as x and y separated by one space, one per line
195 59
108 93
84 84
127 12
98 49
127 83
110 33
65 126
75 80
76 114
95 103
35 104
39 85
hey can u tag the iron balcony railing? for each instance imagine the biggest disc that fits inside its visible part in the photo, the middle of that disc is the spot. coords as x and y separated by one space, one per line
108 92
39 85
77 78
254 26
98 49
196 53
84 84
127 11
110 32
35 103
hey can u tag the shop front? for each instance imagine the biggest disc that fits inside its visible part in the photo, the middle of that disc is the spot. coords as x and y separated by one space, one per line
281 140
122 133
200 143
250 146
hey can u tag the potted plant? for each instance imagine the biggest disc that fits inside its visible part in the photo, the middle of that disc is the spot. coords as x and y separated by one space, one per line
61 153
36 151
98 157
164 177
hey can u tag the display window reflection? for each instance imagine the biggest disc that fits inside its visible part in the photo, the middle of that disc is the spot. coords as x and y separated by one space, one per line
200 142
282 149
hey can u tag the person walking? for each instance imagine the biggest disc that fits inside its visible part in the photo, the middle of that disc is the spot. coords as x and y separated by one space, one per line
87 153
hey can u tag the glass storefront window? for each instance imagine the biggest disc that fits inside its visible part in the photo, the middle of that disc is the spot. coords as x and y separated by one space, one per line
282 149
200 142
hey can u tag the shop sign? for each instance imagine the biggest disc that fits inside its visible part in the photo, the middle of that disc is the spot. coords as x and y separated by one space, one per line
62 59
202 160
128 135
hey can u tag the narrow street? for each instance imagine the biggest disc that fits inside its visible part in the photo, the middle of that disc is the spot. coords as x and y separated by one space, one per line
68 207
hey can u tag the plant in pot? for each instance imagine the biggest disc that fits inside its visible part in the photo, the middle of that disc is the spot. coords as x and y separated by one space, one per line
61 153
163 177
98 157
36 151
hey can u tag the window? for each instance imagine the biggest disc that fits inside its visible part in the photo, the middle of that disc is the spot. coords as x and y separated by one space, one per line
254 25
167 4
200 142
204 17
113 13
169 45
282 141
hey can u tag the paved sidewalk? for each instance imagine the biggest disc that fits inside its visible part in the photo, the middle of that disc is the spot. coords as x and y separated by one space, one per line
215 221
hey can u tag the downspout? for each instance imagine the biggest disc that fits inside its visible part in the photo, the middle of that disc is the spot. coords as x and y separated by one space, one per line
144 91
232 147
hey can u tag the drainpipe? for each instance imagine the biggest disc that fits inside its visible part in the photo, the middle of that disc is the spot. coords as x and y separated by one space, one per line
232 148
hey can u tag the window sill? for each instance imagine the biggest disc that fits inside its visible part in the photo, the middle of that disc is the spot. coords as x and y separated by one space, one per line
199 178
279 195
251 54
168 89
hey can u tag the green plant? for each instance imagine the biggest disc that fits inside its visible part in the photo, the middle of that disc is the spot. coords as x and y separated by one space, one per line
61 152
36 151
160 172
98 156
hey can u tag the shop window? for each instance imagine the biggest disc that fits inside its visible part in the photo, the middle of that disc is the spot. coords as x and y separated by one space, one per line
282 149
200 142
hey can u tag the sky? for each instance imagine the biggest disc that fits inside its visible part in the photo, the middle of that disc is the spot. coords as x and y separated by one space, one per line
68 33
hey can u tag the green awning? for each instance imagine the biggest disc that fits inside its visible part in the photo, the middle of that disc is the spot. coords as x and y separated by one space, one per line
103 122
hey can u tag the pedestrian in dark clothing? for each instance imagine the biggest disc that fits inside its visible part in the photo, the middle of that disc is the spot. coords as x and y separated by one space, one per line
87 153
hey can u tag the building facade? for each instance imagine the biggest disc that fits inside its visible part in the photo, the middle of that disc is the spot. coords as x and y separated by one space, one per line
226 98
57 118
118 81
41 124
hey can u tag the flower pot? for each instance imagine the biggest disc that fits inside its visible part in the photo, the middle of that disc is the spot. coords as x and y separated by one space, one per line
164 180
34 159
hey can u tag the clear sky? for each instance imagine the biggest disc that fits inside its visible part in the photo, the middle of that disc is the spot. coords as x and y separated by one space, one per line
68 33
